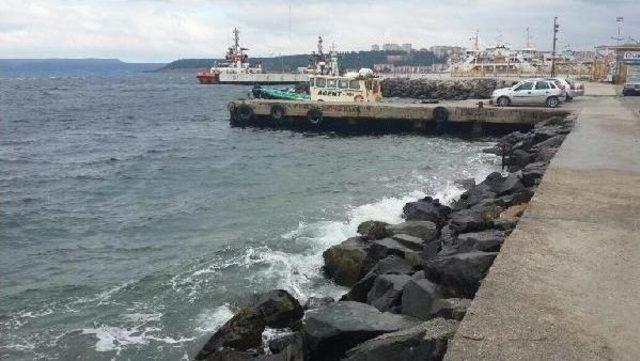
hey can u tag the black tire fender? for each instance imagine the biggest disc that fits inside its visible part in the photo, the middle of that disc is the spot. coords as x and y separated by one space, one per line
314 116
243 114
278 112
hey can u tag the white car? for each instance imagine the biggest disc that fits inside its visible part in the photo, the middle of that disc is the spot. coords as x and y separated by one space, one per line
529 92
571 88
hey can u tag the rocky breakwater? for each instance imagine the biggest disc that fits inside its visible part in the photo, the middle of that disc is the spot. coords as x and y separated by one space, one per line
410 283
444 89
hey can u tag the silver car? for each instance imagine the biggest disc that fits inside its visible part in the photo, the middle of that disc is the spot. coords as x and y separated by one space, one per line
529 92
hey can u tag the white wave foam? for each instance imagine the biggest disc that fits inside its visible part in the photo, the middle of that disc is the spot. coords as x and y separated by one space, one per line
210 321
270 334
112 338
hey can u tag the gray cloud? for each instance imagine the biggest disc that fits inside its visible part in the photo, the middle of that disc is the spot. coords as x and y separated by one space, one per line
162 30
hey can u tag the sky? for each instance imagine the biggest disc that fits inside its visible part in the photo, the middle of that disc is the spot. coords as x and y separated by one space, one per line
165 30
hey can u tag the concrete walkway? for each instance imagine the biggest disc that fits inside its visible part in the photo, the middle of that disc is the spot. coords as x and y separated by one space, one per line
566 285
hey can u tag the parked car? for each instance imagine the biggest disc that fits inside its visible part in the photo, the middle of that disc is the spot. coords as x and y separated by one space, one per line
571 89
632 85
530 92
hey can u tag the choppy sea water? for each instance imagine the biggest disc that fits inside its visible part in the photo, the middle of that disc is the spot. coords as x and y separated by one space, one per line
134 220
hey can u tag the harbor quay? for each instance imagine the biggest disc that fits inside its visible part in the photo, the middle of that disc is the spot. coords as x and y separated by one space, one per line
471 116
537 262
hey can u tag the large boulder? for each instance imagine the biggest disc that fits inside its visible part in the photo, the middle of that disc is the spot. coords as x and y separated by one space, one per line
373 229
504 185
427 341
422 229
532 172
330 331
419 298
488 241
275 309
480 193
388 265
552 142
289 346
459 274
408 250
476 218
427 209
386 291
348 261
519 159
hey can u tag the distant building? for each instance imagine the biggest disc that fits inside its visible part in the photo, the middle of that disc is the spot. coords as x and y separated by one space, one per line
375 47
407 47
391 47
447 51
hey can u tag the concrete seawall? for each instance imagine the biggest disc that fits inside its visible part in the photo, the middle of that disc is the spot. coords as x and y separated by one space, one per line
566 284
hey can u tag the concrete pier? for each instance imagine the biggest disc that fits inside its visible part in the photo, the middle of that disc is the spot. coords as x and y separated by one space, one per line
566 284
384 117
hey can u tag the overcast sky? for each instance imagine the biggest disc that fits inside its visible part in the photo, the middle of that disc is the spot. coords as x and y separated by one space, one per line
164 30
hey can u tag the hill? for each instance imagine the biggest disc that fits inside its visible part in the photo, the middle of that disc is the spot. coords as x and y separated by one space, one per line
348 60
73 66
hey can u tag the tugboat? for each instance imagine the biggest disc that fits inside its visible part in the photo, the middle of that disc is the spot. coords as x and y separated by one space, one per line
236 69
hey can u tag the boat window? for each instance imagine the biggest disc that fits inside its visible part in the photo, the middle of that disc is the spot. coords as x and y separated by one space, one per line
525 86
343 83
331 83
367 84
541 85
354 84
312 82
321 82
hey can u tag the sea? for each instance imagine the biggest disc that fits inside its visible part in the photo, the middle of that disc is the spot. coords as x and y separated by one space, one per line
134 221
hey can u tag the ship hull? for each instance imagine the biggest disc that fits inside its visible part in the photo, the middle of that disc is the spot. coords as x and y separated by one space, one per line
262 79
207 77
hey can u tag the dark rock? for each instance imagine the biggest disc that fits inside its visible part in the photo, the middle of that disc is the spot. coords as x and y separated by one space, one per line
545 154
447 235
532 173
427 209
452 308
487 241
518 159
317 302
475 218
554 142
409 241
475 195
421 229
431 248
504 224
386 291
541 134
389 246
388 265
276 309
503 185
288 346
348 261
522 196
427 341
419 298
460 274
228 354
373 229
330 331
